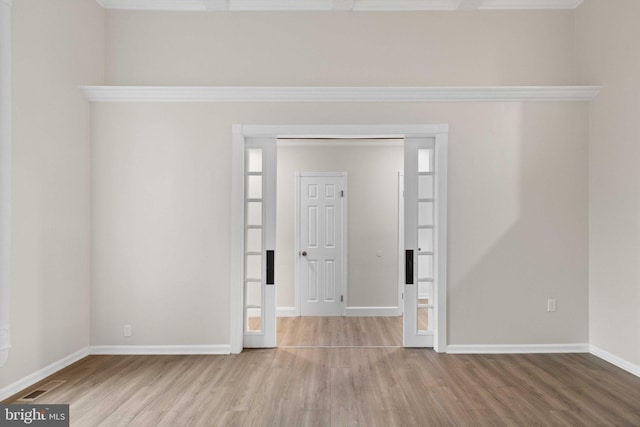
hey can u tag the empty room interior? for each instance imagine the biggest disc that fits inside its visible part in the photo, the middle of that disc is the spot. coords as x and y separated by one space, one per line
321 212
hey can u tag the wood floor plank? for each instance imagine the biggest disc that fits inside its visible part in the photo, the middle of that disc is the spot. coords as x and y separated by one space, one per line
343 386
339 331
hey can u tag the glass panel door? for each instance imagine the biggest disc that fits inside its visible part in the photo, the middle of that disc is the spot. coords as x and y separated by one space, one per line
420 229
259 243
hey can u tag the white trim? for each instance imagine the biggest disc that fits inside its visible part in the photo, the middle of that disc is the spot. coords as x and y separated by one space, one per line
287 312
337 5
353 142
240 132
528 4
296 242
160 349
401 240
517 348
441 193
338 346
615 360
236 232
338 94
5 177
41 374
372 311
343 131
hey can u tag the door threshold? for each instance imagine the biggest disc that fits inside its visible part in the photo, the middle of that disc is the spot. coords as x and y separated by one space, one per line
338 346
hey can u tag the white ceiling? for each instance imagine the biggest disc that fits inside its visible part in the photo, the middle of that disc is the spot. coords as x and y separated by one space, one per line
338 5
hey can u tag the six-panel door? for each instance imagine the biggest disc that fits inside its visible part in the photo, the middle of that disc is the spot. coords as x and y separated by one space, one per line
321 245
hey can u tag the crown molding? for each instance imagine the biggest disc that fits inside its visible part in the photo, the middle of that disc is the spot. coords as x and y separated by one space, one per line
336 5
528 4
338 94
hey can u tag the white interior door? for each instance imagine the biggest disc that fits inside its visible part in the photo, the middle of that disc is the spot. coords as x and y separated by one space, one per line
321 244
259 243
420 237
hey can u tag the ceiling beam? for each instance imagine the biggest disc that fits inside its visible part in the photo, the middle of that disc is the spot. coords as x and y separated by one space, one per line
336 5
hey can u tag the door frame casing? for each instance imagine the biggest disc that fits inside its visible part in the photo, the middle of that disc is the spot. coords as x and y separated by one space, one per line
401 241
241 132
345 240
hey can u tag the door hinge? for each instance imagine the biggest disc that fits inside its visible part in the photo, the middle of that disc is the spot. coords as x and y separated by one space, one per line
341 193
341 298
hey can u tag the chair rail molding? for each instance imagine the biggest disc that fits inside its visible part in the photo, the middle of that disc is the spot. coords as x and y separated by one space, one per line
338 94
336 5
5 175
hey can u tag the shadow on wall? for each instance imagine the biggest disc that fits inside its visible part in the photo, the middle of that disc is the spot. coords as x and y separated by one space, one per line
518 228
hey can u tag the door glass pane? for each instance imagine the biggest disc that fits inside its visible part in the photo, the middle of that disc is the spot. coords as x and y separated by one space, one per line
254 240
425 239
254 187
254 267
425 213
254 213
425 267
424 160
425 319
254 160
425 187
254 320
254 294
425 290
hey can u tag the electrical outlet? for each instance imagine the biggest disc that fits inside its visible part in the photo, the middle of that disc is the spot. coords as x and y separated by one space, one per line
552 304
126 330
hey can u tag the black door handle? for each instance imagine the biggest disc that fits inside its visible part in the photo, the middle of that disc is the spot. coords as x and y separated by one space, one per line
408 267
270 267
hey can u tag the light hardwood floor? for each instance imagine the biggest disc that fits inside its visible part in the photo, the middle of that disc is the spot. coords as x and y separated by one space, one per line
348 386
356 375
339 331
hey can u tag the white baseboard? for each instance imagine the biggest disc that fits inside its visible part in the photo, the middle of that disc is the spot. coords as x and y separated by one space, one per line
41 374
349 311
287 312
160 349
615 360
372 311
518 349
280 312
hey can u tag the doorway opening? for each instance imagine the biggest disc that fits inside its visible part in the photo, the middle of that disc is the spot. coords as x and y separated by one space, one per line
425 160
337 238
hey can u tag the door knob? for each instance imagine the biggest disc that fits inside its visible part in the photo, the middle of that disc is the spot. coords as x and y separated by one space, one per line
303 253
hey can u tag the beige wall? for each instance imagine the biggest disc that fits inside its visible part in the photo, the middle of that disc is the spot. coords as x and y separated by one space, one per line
517 216
607 35
143 214
372 195
161 217
57 45
334 48
518 202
